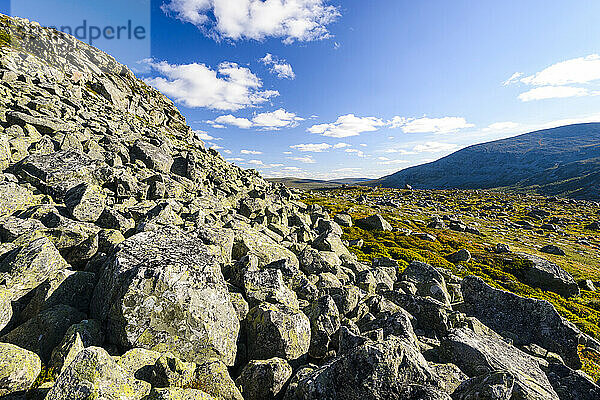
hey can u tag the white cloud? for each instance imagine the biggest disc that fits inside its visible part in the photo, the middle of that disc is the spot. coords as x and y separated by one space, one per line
305 160
434 147
234 159
430 125
274 120
575 71
341 145
205 136
292 20
312 147
214 146
354 151
255 162
555 92
227 151
254 152
399 151
502 126
230 87
278 67
347 170
231 120
513 79
392 162
348 125
292 169
287 152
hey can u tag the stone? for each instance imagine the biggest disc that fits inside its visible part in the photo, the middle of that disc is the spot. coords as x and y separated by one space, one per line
324 322
484 351
313 261
501 248
461 255
165 291
19 368
178 394
45 331
491 386
212 377
78 336
93 374
552 249
153 157
587 284
264 379
250 241
268 285
527 320
374 222
139 363
343 220
14 197
449 376
428 280
277 331
330 242
541 273
570 384
85 202
170 371
12 227
372 371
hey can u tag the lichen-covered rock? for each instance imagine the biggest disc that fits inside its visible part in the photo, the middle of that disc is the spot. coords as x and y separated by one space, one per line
18 369
139 363
250 241
490 386
482 350
14 197
343 220
527 320
42 333
154 157
165 291
428 280
324 322
539 272
373 371
374 222
264 379
268 285
277 331
178 394
93 374
331 242
213 378
571 384
78 336
12 227
170 371
85 202
449 376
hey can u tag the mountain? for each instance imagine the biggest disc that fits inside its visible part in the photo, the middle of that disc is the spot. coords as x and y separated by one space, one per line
314 184
560 161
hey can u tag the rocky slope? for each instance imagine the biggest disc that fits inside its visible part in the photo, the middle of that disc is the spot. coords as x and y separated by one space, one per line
561 161
136 264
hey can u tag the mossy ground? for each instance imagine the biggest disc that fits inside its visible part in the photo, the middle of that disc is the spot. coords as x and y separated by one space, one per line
495 215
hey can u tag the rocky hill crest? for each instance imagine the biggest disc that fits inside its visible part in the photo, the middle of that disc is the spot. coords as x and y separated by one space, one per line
136 264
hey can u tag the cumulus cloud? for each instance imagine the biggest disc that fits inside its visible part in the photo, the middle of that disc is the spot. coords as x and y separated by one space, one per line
312 147
430 125
274 120
434 147
502 126
280 68
557 81
291 20
203 135
254 152
230 87
341 145
555 92
305 160
347 126
355 151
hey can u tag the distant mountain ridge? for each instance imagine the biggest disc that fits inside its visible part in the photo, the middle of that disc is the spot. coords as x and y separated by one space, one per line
561 161
314 184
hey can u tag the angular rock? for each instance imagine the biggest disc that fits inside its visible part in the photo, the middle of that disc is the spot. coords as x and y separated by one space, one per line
570 384
491 386
343 220
154 157
139 363
178 394
268 285
277 331
264 379
461 255
93 374
19 368
165 290
85 202
552 249
14 197
250 241
546 275
428 280
527 320
374 222
484 351
170 371
12 227
324 322
213 377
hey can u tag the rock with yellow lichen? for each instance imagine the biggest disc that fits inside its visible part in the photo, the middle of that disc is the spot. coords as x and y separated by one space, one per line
18 368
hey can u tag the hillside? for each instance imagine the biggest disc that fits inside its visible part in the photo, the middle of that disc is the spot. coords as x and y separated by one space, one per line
315 184
561 161
136 264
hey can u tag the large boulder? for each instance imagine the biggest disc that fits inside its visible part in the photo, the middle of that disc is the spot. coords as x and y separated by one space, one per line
264 379
324 322
541 273
525 320
372 371
164 290
570 384
429 281
277 331
18 369
480 350
490 386
250 241
268 285
85 202
152 156
374 222
14 197
93 374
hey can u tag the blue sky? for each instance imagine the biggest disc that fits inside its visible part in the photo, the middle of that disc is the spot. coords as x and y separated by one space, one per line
330 89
